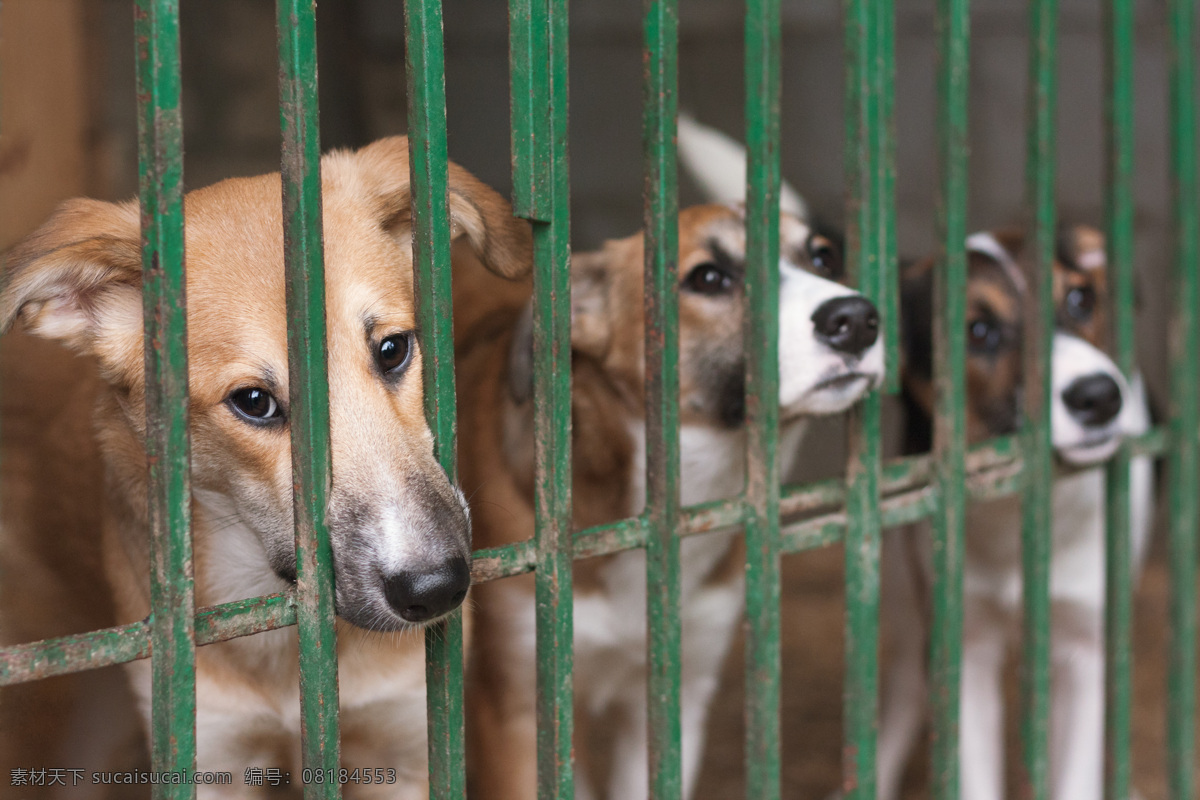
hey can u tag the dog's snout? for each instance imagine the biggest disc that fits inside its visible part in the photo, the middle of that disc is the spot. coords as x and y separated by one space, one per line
1093 399
422 595
847 324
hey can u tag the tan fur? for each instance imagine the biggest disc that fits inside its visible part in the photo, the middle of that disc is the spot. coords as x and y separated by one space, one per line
77 280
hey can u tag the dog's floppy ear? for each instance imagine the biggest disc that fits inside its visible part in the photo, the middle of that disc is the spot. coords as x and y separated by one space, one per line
591 300
77 279
503 242
590 323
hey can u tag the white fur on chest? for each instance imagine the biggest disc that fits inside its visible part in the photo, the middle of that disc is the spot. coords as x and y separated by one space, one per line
712 467
993 541
1077 566
610 627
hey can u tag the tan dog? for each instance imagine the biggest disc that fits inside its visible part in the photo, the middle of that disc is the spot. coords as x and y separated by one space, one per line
400 532
829 357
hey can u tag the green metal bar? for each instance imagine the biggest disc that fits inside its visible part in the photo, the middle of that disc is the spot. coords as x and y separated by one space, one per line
538 55
492 563
869 218
949 445
661 223
829 529
1039 325
716 515
527 43
885 133
862 585
308 389
244 618
995 484
67 654
1184 468
1153 442
429 172
172 594
1119 26
761 326
603 540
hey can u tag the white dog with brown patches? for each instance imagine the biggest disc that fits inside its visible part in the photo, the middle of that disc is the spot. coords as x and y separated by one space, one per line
830 355
399 529
1093 409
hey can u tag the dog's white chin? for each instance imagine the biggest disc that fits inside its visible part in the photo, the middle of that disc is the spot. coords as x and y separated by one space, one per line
832 397
1086 454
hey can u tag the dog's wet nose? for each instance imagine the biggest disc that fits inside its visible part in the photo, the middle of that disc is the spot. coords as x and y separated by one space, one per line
847 324
1093 399
419 596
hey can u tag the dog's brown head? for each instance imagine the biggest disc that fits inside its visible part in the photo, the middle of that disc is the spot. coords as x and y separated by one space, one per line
400 532
829 353
1088 389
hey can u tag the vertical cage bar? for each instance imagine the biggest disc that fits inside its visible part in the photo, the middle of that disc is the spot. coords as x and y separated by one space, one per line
950 356
1119 25
889 278
172 595
538 57
1039 328
526 65
867 238
432 285
661 299
1184 471
761 325
308 381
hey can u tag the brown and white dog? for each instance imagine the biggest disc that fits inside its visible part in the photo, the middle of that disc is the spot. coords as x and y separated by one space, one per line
830 355
400 531
1094 407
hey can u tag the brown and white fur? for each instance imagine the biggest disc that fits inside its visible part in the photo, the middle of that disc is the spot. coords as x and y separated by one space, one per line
829 357
1093 408
400 531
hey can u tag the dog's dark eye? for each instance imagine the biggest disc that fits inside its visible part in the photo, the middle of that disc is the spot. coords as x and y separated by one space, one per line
826 259
983 336
1081 303
708 279
394 352
255 405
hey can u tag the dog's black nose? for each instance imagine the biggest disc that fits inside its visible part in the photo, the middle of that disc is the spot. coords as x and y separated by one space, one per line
1093 399
847 324
419 596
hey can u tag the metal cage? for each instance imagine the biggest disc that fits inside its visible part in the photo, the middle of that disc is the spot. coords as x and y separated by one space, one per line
872 496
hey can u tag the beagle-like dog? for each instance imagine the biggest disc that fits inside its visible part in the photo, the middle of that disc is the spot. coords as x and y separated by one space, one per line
830 354
1094 407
